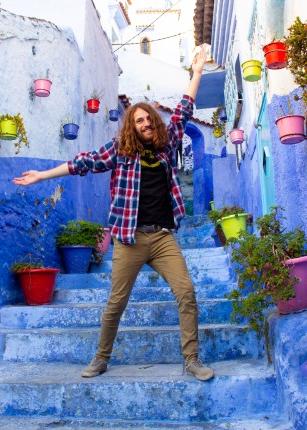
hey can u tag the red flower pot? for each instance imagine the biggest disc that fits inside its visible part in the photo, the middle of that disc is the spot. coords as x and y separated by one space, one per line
37 285
93 105
298 269
275 55
291 129
236 136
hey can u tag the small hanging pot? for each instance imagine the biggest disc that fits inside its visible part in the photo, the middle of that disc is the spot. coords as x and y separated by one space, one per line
276 55
93 105
223 115
8 129
251 70
236 136
70 131
291 129
42 87
113 115
217 132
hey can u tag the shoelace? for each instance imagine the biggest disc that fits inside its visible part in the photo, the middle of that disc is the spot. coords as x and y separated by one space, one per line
197 362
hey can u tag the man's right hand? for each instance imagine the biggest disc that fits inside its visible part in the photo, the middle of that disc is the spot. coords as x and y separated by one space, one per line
28 178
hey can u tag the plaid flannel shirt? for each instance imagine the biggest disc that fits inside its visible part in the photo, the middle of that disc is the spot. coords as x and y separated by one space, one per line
126 175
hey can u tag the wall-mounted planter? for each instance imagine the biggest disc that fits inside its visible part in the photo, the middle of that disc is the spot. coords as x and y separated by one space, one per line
37 285
93 105
251 70
232 225
291 129
236 136
298 269
275 55
222 115
217 132
8 129
70 131
113 115
42 87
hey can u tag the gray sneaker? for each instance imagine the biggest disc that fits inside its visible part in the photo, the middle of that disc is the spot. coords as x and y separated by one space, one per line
196 368
95 368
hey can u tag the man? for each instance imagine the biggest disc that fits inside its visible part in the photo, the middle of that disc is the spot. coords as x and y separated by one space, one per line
146 204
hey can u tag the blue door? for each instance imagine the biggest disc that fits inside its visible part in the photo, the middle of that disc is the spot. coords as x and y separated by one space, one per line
264 148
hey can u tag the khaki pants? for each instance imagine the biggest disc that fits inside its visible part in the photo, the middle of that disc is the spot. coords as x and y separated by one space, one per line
162 253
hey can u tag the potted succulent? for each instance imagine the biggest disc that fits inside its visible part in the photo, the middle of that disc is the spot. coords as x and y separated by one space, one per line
231 220
76 241
94 101
296 45
12 128
276 54
251 70
290 126
272 269
113 114
218 124
69 128
36 281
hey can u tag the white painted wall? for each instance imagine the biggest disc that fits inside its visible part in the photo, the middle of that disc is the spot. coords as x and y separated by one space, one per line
74 78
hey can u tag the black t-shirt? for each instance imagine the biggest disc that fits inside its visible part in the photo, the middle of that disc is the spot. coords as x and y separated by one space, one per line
155 201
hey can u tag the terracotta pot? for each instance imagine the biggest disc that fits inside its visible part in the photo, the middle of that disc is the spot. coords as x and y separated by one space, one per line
276 55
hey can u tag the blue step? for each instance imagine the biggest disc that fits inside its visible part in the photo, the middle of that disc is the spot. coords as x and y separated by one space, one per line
133 345
88 315
52 423
240 389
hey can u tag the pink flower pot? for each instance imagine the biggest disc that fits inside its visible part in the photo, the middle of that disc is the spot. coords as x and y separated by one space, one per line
298 269
42 87
104 244
236 136
291 129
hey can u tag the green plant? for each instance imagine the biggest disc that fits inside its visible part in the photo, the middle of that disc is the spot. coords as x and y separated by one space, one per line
263 278
21 130
217 214
97 95
218 125
296 43
84 233
28 262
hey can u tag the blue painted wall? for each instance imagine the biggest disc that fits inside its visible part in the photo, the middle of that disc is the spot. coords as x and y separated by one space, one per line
28 224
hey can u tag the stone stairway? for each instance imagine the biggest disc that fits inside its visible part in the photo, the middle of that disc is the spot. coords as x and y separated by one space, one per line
43 350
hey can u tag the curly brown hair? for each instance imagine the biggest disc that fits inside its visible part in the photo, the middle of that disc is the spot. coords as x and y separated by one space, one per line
129 142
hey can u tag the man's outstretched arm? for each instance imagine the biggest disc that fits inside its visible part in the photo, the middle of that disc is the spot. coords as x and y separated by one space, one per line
199 61
34 176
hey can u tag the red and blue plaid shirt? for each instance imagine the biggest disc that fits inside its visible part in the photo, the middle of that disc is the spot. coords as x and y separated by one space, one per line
126 175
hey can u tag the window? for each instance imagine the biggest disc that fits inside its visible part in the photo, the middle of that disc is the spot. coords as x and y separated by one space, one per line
145 46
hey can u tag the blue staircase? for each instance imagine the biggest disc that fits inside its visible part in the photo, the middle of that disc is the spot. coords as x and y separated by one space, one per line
43 350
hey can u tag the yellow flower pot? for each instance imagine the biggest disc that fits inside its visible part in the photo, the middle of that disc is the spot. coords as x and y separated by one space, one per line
232 225
8 129
251 70
217 132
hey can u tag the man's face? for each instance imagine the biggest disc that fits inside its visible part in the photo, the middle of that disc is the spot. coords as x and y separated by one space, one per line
143 126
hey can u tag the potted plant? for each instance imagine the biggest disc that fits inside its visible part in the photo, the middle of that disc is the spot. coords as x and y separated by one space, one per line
291 126
113 114
69 128
42 86
12 128
251 70
275 54
236 136
94 101
296 43
272 269
231 220
77 240
36 281
218 124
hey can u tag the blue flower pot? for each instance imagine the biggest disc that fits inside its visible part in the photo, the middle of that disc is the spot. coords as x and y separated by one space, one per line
223 115
113 115
70 131
76 259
